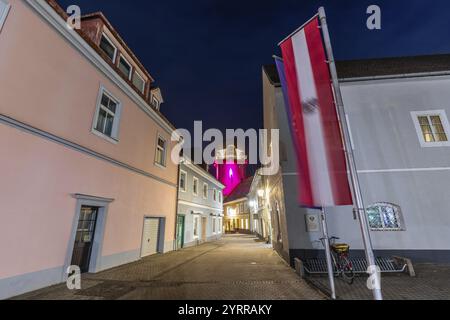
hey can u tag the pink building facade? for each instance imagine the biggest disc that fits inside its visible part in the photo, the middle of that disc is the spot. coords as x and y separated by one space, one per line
85 170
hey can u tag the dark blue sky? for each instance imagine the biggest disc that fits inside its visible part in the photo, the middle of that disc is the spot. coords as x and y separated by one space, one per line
206 55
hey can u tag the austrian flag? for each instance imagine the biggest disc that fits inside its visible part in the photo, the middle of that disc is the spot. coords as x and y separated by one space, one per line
321 162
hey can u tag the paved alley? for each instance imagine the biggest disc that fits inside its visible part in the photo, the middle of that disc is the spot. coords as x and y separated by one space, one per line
236 268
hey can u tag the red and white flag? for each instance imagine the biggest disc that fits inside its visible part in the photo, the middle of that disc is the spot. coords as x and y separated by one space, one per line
323 180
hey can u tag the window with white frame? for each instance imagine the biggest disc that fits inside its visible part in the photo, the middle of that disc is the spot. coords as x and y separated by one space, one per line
125 67
220 196
139 82
384 217
215 195
195 186
205 191
107 116
155 102
432 127
4 9
220 225
214 225
183 180
196 225
161 151
108 47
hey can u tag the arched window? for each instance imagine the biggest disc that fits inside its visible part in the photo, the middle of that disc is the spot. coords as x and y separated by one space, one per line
385 217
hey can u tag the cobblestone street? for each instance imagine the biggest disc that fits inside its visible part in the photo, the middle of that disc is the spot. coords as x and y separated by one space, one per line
236 268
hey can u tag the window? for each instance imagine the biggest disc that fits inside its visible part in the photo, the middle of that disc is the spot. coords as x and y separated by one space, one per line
183 177
215 195
214 225
384 217
107 116
161 152
4 9
125 67
241 208
220 196
432 128
155 102
220 225
139 82
205 191
196 227
107 46
195 186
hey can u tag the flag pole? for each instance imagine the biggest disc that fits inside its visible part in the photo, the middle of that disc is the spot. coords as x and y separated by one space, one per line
326 243
356 188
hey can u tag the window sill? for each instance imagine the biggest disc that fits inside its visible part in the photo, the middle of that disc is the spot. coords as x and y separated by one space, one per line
387 230
105 137
159 165
435 144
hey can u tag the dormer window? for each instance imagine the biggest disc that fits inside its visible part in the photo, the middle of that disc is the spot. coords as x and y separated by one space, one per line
108 48
125 67
139 82
155 102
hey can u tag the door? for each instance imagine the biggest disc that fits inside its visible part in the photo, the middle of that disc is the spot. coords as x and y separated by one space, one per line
204 224
180 231
84 238
150 237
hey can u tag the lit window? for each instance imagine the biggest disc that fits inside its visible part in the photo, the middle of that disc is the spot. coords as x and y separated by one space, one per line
161 152
195 187
139 82
432 128
106 120
196 227
108 48
205 190
125 67
384 217
183 176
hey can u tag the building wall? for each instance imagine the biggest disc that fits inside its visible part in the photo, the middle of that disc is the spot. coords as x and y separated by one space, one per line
240 220
392 166
48 93
188 203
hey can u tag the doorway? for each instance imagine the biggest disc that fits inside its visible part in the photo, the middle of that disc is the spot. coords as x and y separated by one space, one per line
204 224
180 231
84 237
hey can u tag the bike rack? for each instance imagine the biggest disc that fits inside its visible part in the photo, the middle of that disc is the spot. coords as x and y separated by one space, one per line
386 265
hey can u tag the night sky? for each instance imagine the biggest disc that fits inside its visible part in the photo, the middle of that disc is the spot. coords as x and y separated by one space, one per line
206 55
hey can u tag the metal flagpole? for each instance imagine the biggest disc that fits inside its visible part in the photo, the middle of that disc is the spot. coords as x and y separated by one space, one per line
376 290
328 254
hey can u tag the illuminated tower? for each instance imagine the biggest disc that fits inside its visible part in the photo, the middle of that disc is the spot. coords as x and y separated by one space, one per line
231 164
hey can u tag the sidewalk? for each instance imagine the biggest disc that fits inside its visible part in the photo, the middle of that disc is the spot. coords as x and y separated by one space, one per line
432 282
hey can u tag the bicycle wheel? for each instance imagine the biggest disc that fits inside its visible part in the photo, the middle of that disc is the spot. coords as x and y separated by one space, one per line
347 270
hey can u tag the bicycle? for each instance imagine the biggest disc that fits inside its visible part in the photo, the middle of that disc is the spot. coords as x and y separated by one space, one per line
341 261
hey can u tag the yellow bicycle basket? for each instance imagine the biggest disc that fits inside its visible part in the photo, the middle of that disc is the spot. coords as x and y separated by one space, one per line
341 248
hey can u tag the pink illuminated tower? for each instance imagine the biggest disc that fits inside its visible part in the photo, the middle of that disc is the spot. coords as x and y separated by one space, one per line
231 165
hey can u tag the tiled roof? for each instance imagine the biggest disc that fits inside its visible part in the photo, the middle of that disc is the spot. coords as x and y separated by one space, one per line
241 191
380 67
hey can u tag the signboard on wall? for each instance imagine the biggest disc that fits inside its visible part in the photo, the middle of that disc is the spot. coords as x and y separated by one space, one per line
312 223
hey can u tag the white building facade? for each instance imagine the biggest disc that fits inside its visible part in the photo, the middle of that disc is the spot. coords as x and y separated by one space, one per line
398 112
200 206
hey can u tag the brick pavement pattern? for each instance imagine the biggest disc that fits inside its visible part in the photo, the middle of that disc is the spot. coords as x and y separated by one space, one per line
235 268
432 282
